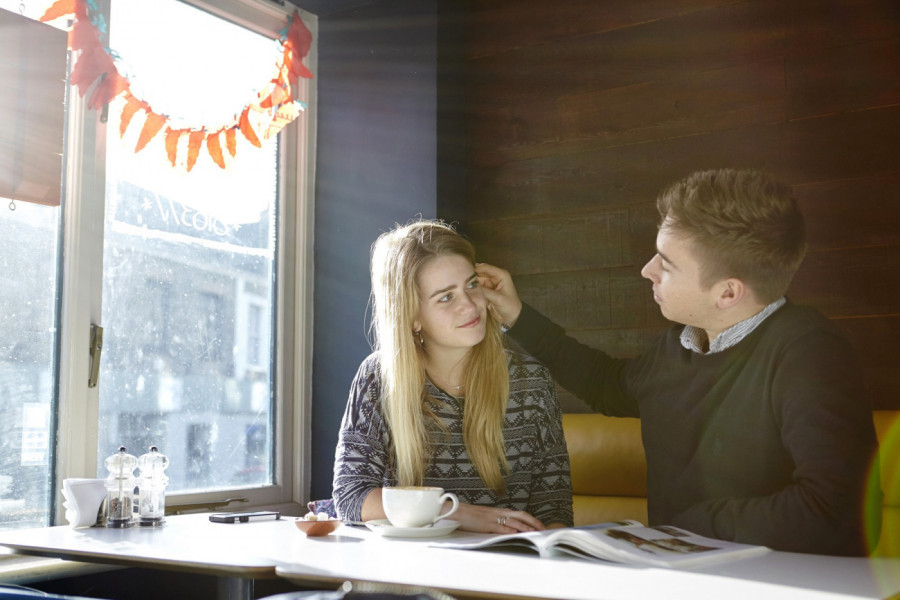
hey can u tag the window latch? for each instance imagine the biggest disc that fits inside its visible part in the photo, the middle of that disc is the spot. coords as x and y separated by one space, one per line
96 348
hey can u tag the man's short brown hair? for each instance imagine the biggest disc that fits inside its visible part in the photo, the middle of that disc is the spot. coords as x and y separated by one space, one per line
744 223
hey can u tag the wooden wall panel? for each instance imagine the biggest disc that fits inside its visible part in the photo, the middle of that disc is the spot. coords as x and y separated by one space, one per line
504 25
608 238
852 213
832 80
850 282
748 94
814 25
657 49
579 113
875 339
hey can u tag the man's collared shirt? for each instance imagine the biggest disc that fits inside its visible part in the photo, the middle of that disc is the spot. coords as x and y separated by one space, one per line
694 338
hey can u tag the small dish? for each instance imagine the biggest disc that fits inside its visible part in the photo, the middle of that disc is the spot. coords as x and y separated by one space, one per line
317 528
384 528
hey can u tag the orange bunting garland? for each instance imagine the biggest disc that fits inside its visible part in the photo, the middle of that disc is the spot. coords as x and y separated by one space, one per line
172 137
214 147
95 71
231 141
132 105
247 128
60 9
195 140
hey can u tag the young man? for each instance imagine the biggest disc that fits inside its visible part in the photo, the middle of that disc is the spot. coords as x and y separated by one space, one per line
752 412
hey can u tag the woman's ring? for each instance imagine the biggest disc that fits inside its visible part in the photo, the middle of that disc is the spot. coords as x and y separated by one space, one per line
501 521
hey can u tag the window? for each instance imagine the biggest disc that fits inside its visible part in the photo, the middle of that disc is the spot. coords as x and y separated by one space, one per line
198 279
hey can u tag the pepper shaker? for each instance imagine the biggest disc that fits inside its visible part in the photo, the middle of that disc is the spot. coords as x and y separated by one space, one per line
120 489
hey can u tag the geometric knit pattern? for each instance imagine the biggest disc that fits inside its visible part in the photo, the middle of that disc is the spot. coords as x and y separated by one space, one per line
538 480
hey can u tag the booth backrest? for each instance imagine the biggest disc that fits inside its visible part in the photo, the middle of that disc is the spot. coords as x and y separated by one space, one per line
609 472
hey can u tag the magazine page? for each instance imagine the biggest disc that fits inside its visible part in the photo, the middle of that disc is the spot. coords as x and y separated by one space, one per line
623 542
529 540
663 546
541 542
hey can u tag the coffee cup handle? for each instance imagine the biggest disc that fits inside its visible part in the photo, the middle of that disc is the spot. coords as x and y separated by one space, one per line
448 496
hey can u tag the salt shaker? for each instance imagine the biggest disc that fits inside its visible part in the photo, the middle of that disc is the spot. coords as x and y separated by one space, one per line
120 489
152 488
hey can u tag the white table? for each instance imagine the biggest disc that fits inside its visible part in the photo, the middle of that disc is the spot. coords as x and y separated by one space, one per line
352 554
187 543
239 553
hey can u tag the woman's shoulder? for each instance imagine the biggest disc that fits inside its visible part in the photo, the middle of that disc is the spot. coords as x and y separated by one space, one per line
370 364
531 388
521 362
367 373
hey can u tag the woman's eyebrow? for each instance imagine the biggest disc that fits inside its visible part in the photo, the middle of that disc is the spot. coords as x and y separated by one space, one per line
474 275
442 291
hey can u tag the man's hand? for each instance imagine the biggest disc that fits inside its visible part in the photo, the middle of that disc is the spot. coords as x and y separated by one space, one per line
500 292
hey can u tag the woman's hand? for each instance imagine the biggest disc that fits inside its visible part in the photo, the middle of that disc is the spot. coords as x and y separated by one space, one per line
488 519
499 290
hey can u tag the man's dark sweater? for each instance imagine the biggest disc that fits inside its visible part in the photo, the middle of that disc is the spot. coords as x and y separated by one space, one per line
768 442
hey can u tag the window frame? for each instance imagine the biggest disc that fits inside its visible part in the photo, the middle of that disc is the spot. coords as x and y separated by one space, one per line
81 280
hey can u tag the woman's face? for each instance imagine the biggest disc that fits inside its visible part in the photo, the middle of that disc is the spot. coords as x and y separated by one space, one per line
452 308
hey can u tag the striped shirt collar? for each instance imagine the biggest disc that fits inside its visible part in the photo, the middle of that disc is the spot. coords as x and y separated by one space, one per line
694 338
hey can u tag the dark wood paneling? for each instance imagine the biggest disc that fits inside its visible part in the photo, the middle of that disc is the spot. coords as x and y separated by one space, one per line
616 176
658 49
602 299
579 113
852 213
844 146
722 99
814 25
615 237
844 78
853 282
877 340
501 25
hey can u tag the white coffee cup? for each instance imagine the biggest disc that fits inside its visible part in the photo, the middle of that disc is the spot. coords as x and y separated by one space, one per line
414 506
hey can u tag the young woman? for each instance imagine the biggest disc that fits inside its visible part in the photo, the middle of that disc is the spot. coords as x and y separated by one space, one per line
442 403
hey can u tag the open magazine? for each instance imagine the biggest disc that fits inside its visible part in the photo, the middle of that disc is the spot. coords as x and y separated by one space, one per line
623 542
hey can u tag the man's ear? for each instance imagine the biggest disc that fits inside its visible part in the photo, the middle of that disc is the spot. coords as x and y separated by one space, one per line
730 293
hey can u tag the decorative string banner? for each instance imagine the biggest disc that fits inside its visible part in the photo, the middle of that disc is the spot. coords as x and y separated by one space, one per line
98 79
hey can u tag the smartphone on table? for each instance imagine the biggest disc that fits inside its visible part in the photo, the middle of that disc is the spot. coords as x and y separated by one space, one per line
244 517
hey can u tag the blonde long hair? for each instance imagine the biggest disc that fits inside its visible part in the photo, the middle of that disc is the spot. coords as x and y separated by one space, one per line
397 258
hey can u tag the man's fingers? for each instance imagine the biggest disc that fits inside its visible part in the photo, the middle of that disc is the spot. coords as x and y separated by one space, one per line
489 276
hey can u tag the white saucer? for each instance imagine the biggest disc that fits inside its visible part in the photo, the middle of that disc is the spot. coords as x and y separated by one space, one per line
384 528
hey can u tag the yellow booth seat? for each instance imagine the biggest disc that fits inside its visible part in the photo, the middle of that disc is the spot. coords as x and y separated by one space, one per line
609 471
